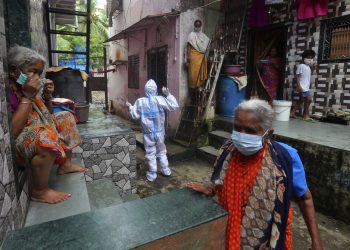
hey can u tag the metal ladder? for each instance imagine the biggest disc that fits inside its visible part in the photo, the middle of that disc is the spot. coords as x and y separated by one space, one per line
194 115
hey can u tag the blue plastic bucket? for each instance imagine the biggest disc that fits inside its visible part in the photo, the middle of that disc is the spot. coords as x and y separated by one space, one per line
229 96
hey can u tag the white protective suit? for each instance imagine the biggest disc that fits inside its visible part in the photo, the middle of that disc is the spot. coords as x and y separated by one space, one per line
151 111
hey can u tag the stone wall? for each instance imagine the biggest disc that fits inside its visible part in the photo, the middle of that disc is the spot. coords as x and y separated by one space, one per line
112 157
38 27
13 202
14 182
328 176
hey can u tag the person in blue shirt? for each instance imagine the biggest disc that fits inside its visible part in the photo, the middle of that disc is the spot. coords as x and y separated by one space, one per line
254 179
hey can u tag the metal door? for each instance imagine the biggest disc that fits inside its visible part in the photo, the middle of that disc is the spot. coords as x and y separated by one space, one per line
157 59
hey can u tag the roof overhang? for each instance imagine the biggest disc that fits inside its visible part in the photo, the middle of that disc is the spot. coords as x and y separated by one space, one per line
143 24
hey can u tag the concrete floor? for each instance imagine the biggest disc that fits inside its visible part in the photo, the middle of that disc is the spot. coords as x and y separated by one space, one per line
328 134
335 234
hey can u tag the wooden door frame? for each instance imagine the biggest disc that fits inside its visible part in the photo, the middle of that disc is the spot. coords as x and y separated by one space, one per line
250 67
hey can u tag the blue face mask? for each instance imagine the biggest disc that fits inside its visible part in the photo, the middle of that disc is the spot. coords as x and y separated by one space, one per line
22 79
247 144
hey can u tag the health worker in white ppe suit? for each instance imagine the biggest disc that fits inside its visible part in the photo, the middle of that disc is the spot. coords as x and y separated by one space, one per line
150 110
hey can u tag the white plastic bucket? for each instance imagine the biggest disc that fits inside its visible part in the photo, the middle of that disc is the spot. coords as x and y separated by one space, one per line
282 110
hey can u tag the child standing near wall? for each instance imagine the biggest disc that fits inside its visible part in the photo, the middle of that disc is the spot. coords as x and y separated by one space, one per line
150 110
303 82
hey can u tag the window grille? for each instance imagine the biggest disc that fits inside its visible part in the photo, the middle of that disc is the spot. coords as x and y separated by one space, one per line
340 42
334 44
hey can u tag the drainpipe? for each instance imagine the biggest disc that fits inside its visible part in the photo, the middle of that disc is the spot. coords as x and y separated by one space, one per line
176 37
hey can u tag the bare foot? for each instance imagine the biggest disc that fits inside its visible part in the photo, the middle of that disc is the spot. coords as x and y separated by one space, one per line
49 196
70 168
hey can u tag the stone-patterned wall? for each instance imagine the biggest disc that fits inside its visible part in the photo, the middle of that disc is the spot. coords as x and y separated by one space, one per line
111 157
38 27
330 84
13 207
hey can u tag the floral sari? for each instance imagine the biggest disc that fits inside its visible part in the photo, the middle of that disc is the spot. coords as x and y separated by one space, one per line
57 132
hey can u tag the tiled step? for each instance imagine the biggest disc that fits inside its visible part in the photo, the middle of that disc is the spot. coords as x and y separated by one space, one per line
175 152
78 203
103 193
207 153
149 223
218 137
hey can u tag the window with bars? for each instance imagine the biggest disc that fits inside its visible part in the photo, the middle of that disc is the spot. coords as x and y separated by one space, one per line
133 72
335 40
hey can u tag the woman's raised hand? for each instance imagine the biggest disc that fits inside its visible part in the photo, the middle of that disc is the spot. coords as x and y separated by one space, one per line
32 87
49 88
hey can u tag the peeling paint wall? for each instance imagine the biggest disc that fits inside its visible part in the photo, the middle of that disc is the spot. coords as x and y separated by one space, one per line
174 34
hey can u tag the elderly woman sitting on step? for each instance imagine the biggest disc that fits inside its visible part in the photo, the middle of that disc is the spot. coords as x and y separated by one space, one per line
41 139
254 178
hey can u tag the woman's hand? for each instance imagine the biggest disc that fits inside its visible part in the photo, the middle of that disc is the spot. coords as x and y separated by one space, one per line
49 88
200 187
32 87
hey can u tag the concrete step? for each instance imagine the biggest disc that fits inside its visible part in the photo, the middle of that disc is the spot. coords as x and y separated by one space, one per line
103 193
223 124
218 137
207 153
149 223
175 152
78 203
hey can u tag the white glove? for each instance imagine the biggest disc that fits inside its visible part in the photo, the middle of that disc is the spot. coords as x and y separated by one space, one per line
128 104
166 91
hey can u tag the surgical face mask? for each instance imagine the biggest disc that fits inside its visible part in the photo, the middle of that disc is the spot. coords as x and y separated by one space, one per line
308 61
247 144
22 79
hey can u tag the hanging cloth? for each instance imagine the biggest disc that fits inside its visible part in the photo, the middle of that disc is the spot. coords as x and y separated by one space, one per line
259 16
311 8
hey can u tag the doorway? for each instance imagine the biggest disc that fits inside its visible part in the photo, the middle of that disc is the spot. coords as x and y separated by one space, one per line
157 59
260 41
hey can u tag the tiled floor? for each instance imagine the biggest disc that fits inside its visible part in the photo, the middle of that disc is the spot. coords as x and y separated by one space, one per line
100 124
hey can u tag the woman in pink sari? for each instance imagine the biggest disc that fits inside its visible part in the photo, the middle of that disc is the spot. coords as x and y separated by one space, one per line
271 72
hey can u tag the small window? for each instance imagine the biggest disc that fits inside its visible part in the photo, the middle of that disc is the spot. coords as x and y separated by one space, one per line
133 72
335 40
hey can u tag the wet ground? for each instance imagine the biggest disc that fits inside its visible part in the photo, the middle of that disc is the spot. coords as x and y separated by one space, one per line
335 234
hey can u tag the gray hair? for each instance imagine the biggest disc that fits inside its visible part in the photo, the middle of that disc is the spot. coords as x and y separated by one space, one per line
22 57
262 110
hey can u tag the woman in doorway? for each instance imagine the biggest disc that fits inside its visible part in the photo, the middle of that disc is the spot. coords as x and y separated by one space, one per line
270 66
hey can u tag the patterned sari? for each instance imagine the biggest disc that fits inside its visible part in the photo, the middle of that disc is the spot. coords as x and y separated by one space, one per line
271 75
58 133
256 192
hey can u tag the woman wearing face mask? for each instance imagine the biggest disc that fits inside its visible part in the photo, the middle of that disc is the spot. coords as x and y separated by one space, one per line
254 178
40 138
303 82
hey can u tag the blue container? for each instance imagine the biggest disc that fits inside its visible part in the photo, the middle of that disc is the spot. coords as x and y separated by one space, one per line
229 96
